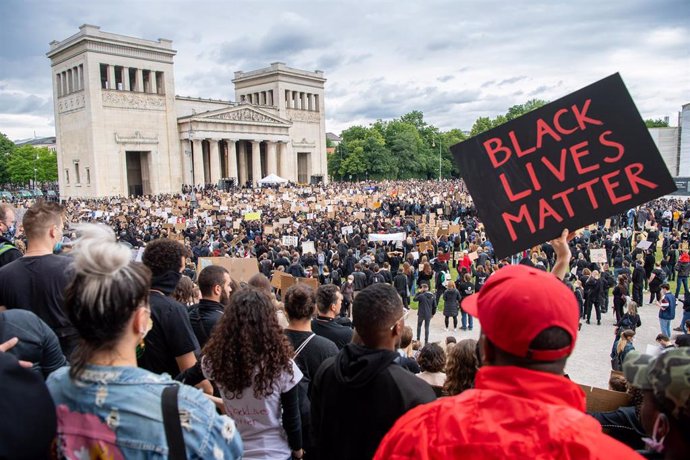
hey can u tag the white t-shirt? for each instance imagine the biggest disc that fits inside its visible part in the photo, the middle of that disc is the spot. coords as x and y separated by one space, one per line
259 420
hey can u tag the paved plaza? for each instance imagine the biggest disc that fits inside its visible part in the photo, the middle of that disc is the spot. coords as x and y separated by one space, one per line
590 364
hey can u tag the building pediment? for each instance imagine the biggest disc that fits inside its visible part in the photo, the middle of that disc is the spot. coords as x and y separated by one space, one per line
244 114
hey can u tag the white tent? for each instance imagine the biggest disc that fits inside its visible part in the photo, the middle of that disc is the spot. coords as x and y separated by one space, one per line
272 179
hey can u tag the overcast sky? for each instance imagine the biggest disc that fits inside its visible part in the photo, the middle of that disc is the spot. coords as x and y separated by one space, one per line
454 61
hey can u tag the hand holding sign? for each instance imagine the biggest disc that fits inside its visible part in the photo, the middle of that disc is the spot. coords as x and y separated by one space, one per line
572 162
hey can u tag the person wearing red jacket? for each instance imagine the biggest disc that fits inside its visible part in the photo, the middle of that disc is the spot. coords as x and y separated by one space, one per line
522 405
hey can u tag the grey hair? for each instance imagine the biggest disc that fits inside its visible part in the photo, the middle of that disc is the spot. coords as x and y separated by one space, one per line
106 290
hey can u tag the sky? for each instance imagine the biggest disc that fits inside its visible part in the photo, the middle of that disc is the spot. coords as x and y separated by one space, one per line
453 60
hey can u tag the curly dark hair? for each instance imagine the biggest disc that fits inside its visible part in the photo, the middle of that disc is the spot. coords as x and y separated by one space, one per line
432 358
164 255
462 367
246 342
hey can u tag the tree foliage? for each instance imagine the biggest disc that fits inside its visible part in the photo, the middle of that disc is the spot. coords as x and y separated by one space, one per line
6 149
658 123
23 160
404 148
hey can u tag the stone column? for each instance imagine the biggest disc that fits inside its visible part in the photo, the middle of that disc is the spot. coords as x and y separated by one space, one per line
139 83
256 163
271 158
152 82
304 106
111 77
77 72
311 101
198 162
232 160
215 161
242 173
186 149
286 169
125 79
269 97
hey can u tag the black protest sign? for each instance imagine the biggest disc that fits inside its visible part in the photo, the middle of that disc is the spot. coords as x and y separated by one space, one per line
572 162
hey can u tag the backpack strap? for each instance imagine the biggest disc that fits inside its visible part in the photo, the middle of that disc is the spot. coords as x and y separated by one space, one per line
171 423
303 344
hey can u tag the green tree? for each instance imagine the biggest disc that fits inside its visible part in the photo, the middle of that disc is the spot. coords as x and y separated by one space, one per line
24 159
521 109
480 125
6 149
658 123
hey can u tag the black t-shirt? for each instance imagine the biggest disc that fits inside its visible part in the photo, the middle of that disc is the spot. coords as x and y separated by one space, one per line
337 333
171 336
313 354
37 284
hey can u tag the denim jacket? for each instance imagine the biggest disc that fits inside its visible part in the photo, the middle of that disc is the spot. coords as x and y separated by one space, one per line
115 412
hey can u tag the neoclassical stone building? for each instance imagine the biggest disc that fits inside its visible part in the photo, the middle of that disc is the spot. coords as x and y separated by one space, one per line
122 131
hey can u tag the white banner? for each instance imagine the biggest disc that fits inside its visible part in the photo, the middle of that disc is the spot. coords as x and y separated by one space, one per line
387 237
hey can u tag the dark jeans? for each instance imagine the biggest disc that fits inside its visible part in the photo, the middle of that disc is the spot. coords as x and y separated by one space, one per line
455 321
682 280
426 322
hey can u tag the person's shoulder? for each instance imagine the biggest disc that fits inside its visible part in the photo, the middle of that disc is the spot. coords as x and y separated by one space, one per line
325 343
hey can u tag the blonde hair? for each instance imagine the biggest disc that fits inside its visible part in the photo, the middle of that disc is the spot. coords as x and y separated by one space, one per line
626 337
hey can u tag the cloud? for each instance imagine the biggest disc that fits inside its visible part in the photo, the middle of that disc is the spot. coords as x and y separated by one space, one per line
445 78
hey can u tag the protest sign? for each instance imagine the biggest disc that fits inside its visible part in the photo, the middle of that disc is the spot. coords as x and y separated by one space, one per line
577 160
347 230
290 240
252 216
425 246
601 400
598 255
308 247
644 245
387 236
241 269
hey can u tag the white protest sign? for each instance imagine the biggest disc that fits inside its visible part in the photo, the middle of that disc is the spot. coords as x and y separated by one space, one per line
347 230
290 240
598 256
308 247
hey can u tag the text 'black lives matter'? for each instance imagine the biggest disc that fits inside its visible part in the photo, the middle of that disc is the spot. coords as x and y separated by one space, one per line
570 163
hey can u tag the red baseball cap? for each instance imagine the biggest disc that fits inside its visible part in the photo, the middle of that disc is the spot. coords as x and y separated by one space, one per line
517 303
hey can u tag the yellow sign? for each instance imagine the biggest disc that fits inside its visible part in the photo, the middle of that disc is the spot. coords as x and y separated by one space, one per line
252 216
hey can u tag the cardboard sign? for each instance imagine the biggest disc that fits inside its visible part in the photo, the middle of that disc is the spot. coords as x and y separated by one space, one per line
311 282
425 246
577 160
240 269
598 256
600 400
346 230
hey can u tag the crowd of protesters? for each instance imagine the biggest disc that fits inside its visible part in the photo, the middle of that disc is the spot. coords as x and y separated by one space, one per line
108 325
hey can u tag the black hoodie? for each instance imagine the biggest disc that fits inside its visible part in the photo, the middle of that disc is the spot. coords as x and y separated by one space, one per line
356 397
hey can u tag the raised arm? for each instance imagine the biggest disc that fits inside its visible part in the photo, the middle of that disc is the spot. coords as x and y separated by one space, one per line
563 254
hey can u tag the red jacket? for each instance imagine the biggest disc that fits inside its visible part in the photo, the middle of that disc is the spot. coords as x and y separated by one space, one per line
512 413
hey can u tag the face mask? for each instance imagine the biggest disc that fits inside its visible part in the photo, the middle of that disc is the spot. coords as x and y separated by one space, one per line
57 248
652 443
10 233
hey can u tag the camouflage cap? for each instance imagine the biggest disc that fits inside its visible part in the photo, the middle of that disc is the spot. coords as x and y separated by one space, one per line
636 368
667 375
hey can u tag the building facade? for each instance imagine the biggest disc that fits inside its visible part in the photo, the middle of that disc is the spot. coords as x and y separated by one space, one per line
121 130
